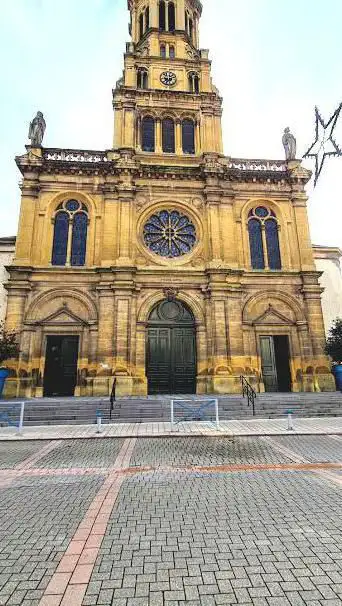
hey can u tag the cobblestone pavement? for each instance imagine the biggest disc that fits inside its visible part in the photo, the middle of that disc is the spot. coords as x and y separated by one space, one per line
38 519
324 449
83 453
16 452
204 451
165 522
262 539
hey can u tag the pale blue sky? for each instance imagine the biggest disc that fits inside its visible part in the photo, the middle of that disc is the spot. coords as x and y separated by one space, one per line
272 62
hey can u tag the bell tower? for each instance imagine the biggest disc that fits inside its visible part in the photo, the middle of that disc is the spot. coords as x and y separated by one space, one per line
166 103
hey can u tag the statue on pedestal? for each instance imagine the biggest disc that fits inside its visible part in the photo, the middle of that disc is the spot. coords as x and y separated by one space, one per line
290 144
37 130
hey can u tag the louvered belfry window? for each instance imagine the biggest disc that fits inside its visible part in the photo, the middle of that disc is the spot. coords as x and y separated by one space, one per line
162 20
148 134
172 17
168 133
188 136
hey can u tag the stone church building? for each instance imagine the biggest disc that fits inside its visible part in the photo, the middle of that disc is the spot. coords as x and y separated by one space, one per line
161 262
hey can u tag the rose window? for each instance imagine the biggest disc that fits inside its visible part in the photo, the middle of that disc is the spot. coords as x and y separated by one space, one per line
169 234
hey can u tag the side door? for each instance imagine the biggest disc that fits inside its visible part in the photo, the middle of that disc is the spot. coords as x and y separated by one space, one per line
268 364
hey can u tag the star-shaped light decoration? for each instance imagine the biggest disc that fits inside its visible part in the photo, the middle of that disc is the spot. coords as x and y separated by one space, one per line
324 144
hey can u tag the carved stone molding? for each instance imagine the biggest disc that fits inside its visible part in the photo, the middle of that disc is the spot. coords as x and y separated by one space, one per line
170 293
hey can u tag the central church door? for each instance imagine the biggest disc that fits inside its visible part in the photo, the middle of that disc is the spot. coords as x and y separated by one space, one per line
171 350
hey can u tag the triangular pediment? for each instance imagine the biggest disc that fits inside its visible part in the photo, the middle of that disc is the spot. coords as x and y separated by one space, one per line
63 316
273 317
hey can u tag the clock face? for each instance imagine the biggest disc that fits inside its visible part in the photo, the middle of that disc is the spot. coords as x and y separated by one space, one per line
168 78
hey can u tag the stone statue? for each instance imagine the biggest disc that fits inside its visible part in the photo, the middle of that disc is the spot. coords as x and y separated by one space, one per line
37 130
290 144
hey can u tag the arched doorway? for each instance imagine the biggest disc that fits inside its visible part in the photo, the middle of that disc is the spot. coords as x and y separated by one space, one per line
171 349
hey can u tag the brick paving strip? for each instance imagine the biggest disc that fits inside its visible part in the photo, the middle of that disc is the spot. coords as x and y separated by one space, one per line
7 476
68 585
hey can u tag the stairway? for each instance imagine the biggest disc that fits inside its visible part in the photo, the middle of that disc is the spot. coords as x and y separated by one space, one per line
82 411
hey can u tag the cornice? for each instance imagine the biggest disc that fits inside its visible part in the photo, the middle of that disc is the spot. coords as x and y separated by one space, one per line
126 161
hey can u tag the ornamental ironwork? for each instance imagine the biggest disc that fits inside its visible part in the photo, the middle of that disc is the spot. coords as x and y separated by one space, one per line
169 234
324 145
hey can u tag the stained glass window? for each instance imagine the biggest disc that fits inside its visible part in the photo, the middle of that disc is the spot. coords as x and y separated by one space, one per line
70 213
263 218
256 245
79 239
169 234
72 205
60 239
188 136
272 240
168 132
261 212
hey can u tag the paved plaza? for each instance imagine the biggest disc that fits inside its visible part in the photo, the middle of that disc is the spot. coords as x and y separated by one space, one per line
188 519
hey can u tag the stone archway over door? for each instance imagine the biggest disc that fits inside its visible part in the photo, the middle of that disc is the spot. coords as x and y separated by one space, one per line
171 349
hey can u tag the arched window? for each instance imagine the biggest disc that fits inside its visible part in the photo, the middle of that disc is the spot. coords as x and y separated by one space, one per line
186 22
272 242
256 244
148 134
188 136
142 79
141 25
172 17
71 223
172 52
162 20
163 51
60 239
168 134
264 239
147 18
79 239
193 82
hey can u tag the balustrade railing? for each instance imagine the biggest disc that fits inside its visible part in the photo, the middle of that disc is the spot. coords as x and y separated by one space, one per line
74 155
257 165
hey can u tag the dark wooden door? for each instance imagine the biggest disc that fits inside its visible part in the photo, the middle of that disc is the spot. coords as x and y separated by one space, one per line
171 360
268 364
171 350
60 373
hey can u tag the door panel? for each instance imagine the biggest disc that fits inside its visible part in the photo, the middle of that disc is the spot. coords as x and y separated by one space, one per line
158 360
171 360
268 364
184 360
60 375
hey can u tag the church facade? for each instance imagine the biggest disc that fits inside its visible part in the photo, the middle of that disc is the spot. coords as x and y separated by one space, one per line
161 263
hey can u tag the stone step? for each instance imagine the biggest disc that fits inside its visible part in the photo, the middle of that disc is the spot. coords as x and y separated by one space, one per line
49 411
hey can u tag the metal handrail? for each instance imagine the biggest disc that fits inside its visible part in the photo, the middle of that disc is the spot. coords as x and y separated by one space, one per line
247 390
112 398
